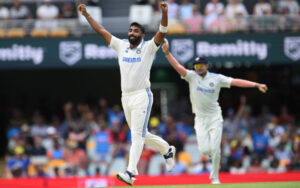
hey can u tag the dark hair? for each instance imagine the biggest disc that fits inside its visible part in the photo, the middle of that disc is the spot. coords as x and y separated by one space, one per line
139 26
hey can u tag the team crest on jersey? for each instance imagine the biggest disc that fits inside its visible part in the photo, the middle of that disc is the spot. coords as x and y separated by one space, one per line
211 84
139 51
183 49
292 48
70 52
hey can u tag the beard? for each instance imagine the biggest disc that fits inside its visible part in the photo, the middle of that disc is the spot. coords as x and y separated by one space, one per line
134 40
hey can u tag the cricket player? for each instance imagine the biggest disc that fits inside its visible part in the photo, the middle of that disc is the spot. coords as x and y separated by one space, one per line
204 93
135 58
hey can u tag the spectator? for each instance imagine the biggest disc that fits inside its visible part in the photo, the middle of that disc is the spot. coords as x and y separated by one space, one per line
288 7
18 11
285 118
47 13
173 12
103 141
38 128
4 12
262 8
68 10
290 11
37 149
283 154
89 124
186 9
75 156
275 167
58 152
116 114
101 110
237 168
18 164
195 22
214 17
236 14
260 142
78 134
256 166
205 166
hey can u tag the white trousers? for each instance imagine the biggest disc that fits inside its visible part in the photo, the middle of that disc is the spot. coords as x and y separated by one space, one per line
209 134
137 107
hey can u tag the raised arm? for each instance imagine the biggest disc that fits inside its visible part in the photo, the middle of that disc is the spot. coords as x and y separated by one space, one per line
161 33
96 26
245 83
175 64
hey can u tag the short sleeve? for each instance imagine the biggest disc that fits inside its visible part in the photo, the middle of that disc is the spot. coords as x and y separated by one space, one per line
225 81
116 43
189 75
152 46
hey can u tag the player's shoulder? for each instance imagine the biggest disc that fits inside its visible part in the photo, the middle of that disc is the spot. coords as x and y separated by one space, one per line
213 74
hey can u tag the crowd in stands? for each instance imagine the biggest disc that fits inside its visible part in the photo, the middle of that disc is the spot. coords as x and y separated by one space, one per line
94 140
184 15
232 15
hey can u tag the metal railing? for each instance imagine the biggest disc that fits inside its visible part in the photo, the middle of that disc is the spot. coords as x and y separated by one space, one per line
266 24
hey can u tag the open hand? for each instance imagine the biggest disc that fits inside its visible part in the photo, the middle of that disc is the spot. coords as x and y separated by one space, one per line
165 48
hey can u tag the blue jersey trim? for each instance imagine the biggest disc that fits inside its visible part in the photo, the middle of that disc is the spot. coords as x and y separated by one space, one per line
148 112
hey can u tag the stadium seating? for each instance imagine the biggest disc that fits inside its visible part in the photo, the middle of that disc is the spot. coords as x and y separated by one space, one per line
59 33
15 33
176 29
39 33
1 33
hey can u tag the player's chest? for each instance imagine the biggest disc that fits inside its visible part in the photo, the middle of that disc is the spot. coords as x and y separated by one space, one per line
132 56
204 86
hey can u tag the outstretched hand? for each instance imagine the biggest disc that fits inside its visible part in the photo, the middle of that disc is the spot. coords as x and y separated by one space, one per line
262 87
82 9
165 48
163 6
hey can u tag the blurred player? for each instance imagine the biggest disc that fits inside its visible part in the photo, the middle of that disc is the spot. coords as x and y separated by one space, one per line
135 57
204 93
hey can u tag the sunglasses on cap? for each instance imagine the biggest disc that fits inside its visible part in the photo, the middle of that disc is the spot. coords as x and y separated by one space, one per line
199 65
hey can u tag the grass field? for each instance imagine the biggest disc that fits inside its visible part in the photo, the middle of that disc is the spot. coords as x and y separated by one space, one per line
230 185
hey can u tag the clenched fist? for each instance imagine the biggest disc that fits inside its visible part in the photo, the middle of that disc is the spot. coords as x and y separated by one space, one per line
164 7
82 10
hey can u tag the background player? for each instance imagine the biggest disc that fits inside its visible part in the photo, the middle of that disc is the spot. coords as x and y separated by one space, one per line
135 57
204 93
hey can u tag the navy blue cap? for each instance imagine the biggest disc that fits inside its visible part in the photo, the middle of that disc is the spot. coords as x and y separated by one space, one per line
200 60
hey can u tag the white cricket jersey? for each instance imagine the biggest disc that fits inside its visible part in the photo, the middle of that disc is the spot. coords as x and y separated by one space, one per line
135 64
204 92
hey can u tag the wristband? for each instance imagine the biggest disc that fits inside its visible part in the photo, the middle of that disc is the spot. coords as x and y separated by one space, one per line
163 29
